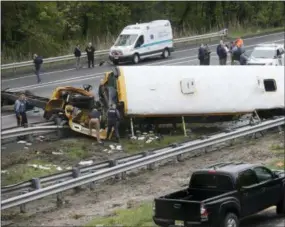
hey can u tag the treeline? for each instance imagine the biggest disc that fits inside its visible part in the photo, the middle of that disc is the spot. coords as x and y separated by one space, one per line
53 28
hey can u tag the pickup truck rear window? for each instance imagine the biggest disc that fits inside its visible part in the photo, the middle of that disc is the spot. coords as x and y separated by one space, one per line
214 181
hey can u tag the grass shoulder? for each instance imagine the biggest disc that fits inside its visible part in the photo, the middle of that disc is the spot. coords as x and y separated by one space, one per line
139 216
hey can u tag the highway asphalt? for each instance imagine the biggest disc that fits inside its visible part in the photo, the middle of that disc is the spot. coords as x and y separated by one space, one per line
72 77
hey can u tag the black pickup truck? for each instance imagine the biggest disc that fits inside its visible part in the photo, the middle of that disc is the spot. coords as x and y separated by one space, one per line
222 194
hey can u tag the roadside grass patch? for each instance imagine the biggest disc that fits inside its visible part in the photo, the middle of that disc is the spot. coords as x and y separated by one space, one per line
140 216
277 149
23 172
75 150
135 146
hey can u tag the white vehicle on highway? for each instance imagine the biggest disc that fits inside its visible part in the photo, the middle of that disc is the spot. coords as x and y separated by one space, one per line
267 54
141 41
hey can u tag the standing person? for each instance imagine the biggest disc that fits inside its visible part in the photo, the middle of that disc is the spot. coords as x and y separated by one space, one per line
90 50
222 53
94 123
207 55
38 61
201 54
77 54
102 93
20 110
113 117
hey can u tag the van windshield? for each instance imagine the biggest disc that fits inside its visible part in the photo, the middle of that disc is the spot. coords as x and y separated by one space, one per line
125 40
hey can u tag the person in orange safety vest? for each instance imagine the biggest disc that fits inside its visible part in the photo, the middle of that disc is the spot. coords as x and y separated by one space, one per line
239 43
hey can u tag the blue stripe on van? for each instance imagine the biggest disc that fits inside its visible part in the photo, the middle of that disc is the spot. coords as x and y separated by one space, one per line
155 43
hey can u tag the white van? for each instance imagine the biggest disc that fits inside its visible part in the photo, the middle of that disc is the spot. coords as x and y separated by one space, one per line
141 41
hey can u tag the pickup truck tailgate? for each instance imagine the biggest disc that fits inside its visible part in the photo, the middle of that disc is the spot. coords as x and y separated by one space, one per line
177 210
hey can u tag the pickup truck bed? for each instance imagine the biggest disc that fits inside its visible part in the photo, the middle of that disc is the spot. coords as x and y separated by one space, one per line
186 204
194 194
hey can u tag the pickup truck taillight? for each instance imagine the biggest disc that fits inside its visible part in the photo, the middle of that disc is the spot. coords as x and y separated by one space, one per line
204 213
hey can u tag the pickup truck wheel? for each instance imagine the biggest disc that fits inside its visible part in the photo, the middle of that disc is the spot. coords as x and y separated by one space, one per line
280 208
231 220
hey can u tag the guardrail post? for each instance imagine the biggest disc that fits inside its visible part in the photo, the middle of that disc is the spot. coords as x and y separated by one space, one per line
23 206
92 184
113 163
149 166
76 173
280 129
59 198
36 183
179 158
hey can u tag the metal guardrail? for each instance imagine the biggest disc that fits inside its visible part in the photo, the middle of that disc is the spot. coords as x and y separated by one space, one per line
137 163
15 65
40 123
7 134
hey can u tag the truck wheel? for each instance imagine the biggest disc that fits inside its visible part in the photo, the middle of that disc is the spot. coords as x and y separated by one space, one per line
280 208
165 53
136 59
231 220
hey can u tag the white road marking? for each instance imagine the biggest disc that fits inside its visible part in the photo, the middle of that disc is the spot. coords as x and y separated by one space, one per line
178 51
90 76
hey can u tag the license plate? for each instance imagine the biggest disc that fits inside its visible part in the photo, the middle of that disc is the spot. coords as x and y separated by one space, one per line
116 57
179 223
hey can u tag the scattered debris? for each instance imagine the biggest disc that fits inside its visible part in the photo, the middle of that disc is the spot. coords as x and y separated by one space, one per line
26 148
57 153
39 166
68 168
84 163
28 144
4 171
280 164
146 137
21 141
59 168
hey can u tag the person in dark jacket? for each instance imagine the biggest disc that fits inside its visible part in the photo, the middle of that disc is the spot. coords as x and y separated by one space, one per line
90 50
222 53
201 54
77 54
20 110
113 118
102 93
243 59
38 61
94 123
207 55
